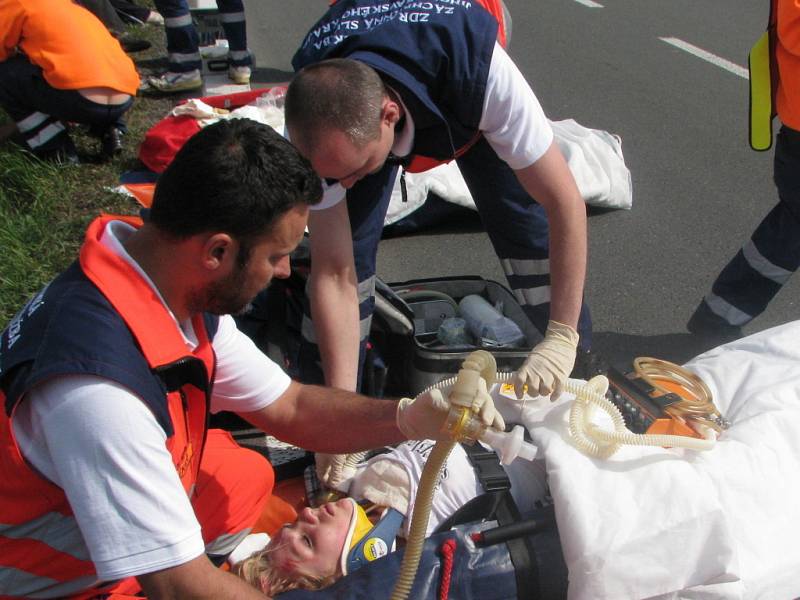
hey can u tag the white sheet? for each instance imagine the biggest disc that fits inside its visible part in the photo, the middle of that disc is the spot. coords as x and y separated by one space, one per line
594 156
669 523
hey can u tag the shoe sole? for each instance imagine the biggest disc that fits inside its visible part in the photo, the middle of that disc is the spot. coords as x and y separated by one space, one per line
177 89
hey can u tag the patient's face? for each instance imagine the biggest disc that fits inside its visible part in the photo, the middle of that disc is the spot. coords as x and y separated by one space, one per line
313 543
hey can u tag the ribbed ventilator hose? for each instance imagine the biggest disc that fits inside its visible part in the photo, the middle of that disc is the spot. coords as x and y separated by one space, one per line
602 443
480 362
585 435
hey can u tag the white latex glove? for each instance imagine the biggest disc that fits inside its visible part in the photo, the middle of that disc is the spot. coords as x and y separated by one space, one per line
337 470
549 363
482 405
424 416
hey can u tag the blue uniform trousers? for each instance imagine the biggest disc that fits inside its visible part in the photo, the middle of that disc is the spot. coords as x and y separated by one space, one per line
751 279
517 227
38 109
183 40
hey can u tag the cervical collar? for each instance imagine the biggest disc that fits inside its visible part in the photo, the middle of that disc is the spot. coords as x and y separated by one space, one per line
366 542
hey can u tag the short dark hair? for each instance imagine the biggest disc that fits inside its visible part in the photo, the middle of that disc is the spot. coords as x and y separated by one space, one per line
338 93
237 176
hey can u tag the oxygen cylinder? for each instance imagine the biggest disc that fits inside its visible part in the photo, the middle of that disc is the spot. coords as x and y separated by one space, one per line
489 326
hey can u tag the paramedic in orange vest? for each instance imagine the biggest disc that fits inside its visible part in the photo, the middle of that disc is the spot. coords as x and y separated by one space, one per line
747 284
382 87
110 480
59 63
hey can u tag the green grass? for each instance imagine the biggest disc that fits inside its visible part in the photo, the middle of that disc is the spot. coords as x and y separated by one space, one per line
44 209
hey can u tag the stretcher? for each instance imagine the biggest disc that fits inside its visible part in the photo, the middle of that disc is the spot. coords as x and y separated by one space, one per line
652 522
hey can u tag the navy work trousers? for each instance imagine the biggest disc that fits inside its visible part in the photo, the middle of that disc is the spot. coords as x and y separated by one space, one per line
183 40
39 109
757 272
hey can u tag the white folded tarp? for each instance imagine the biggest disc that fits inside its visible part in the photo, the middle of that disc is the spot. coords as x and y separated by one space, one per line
670 523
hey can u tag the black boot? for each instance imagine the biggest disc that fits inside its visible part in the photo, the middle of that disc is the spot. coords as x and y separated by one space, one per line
112 142
63 155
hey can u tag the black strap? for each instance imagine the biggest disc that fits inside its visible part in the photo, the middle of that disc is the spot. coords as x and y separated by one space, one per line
498 504
490 473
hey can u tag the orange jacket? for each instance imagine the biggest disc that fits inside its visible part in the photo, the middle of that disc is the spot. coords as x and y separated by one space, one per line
39 539
71 46
787 55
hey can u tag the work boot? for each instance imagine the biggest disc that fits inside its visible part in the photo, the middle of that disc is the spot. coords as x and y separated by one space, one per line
706 323
63 155
131 44
111 141
173 83
240 75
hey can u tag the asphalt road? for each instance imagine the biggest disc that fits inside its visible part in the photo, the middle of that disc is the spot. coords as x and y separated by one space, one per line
698 190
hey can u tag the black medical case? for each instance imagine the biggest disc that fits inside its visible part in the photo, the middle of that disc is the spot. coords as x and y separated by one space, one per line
404 332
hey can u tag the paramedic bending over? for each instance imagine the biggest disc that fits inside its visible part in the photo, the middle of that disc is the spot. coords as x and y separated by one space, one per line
375 93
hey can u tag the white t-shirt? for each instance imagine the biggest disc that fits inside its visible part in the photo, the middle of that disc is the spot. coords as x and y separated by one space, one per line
101 444
458 483
512 121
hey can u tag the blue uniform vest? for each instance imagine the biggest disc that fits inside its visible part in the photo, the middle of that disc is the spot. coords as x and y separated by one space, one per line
101 318
70 328
435 55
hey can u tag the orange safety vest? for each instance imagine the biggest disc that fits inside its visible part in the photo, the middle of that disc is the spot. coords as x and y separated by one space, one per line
774 64
38 536
787 58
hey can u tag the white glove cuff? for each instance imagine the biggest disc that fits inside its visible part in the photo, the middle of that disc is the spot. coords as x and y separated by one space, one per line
560 332
398 417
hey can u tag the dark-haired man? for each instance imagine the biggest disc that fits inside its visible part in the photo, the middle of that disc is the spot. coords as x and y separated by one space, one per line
410 85
111 482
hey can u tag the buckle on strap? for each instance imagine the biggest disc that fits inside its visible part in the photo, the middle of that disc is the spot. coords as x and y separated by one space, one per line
489 471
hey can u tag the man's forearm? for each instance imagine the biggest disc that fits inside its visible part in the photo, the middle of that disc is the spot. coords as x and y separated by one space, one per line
197 579
551 183
329 420
334 309
568 256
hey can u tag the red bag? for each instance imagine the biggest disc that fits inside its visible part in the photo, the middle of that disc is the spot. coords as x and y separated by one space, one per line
163 140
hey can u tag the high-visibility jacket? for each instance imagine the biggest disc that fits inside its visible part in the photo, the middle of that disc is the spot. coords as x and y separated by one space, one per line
99 317
787 57
436 56
774 64
71 46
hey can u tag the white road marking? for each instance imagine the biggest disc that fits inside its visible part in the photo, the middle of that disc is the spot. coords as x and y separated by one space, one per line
707 56
589 3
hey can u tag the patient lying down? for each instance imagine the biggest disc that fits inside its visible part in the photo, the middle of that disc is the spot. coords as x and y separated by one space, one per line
649 522
323 544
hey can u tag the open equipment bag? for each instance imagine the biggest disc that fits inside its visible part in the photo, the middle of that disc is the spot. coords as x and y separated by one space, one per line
403 354
405 329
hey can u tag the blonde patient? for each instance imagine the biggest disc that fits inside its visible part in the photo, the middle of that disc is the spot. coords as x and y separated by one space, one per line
321 546
337 538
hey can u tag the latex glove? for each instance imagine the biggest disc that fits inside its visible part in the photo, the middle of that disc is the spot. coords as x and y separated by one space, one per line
424 416
337 470
481 404
549 363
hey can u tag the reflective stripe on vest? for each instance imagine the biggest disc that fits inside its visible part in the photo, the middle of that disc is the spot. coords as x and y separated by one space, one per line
43 552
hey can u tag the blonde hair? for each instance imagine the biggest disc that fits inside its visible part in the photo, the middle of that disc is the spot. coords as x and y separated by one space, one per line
259 571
